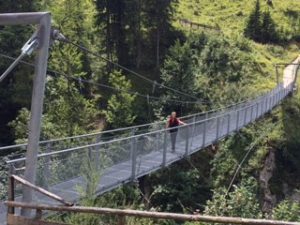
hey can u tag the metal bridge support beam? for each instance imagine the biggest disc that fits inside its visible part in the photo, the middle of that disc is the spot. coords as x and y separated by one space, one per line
193 133
37 106
43 20
47 167
204 133
187 134
245 116
251 113
237 119
265 105
228 123
133 157
277 74
218 128
256 111
165 149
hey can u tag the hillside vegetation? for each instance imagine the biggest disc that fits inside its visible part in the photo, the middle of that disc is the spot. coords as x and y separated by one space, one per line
231 17
89 94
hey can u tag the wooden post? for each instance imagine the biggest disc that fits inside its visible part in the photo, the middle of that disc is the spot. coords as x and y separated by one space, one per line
11 193
121 220
38 214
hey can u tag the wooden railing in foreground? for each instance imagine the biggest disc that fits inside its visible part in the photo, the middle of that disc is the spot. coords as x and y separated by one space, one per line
121 214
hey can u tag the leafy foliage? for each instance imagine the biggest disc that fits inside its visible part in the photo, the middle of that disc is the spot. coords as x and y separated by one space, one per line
217 69
287 211
241 202
212 68
119 111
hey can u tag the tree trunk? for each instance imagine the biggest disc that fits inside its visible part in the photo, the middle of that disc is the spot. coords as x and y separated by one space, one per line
139 50
146 190
108 36
157 47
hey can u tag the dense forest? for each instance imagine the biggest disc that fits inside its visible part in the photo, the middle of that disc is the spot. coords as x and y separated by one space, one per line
228 57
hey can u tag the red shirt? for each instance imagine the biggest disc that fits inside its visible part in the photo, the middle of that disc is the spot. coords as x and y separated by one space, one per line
173 122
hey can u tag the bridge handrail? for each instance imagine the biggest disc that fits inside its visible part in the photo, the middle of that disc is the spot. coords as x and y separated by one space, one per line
132 127
128 138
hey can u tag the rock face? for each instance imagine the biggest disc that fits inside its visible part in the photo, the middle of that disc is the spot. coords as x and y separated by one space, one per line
268 200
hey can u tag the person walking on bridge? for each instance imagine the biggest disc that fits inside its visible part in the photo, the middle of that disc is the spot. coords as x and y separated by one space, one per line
174 122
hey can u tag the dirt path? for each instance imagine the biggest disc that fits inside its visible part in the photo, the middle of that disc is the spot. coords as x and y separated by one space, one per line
289 73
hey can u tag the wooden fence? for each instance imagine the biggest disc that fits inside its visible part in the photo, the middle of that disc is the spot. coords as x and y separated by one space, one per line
121 214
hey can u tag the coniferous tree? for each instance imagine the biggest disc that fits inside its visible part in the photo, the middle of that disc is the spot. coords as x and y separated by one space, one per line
253 27
180 72
158 19
260 26
268 29
15 89
111 21
120 110
122 21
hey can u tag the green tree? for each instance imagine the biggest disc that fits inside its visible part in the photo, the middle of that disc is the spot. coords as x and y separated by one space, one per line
179 72
111 21
15 89
127 24
120 107
158 18
268 29
67 113
287 211
75 18
68 109
223 72
69 104
241 202
186 191
253 26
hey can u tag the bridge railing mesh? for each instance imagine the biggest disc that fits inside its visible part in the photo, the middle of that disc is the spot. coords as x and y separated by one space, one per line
103 165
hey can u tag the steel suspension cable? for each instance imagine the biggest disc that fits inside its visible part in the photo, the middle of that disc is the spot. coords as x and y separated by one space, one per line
83 48
104 85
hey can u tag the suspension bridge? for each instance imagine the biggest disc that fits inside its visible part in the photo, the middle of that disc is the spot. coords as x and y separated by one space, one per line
105 160
112 158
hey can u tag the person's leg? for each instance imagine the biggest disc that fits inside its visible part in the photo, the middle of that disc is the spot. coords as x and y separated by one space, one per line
173 140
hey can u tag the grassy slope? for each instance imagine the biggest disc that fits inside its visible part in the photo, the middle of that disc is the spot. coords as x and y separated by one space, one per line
231 15
226 14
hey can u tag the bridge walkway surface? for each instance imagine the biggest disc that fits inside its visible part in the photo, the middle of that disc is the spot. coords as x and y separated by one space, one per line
66 166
